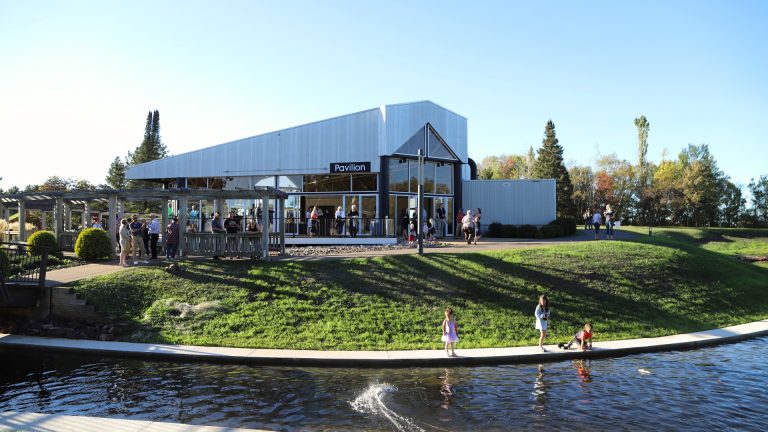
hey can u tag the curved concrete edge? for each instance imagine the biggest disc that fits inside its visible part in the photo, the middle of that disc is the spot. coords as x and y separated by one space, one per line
466 357
57 422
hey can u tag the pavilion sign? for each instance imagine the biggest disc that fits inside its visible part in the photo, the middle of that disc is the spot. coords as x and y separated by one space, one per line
350 167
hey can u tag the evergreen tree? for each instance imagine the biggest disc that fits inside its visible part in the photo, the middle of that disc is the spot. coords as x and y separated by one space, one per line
549 165
116 175
152 147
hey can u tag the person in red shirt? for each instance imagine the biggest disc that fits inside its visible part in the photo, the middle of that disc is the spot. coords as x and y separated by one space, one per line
583 338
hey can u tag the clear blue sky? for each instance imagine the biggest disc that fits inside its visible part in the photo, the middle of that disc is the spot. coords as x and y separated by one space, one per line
78 77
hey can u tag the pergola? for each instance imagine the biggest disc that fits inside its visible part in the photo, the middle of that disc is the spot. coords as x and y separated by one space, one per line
62 203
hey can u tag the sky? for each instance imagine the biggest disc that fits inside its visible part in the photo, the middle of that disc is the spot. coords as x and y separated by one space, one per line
77 78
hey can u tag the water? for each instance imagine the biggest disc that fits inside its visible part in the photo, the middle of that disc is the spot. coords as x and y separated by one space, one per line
715 388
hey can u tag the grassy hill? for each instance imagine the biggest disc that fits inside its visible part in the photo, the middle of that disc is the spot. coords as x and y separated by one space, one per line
679 280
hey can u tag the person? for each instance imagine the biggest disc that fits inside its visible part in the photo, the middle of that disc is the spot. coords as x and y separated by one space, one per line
404 224
596 220
587 217
429 229
340 216
468 227
608 222
191 227
136 240
411 233
97 224
583 337
450 332
353 221
232 227
253 226
217 228
478 216
194 217
154 234
542 316
172 238
459 221
314 222
125 239
440 222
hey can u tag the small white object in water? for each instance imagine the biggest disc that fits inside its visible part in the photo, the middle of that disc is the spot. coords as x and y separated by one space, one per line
644 371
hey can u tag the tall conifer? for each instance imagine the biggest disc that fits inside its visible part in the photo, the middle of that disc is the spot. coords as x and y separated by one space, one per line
549 165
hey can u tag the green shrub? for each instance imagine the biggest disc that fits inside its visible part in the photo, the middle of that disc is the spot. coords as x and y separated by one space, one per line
494 230
93 244
568 225
508 231
551 231
43 239
5 264
527 231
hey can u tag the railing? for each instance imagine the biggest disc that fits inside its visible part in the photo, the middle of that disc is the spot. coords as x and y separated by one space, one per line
22 273
346 227
237 244
9 236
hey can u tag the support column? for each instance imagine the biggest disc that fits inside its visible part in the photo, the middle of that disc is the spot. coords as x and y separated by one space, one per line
67 217
182 214
43 224
87 222
281 224
58 218
265 226
163 225
113 223
22 220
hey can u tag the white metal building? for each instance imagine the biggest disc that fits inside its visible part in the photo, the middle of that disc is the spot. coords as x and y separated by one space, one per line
366 159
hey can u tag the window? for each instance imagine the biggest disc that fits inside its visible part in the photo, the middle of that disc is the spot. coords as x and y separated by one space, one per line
444 179
398 175
365 182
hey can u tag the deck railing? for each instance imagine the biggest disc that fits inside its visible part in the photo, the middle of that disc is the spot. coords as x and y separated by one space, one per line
22 273
245 244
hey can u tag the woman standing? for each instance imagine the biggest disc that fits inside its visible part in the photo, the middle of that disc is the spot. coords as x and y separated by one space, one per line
542 316
608 222
125 240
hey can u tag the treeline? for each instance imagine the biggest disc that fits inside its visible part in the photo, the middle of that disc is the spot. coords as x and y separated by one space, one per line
688 190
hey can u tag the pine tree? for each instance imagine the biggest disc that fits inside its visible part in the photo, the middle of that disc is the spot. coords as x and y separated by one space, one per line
152 147
116 175
549 165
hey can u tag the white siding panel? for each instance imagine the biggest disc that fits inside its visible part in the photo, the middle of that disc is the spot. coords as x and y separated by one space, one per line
404 120
514 202
300 150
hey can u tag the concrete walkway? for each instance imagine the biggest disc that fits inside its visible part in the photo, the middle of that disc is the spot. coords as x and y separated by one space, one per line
388 358
64 423
67 275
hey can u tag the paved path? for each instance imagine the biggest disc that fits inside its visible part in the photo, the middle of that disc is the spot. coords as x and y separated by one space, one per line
70 274
390 358
64 423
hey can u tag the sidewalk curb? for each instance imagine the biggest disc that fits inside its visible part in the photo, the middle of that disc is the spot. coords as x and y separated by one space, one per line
418 358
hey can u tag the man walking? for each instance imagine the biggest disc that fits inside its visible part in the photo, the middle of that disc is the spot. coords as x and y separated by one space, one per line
137 241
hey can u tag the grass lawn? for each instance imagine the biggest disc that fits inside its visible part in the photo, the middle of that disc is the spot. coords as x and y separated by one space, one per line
676 281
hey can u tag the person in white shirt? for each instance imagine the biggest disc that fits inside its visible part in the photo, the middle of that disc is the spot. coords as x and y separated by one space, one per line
154 234
340 217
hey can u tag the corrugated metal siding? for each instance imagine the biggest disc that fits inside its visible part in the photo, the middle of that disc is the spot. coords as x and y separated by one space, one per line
310 148
404 120
515 202
303 149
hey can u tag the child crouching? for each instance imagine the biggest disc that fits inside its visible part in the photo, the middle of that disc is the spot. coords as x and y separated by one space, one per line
583 338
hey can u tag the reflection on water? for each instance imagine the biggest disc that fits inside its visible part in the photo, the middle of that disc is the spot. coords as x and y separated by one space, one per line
715 388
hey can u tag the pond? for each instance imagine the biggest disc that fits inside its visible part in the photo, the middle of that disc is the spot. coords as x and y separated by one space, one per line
714 388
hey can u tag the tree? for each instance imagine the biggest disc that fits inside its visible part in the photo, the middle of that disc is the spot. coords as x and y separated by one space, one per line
733 205
116 175
615 181
669 202
152 147
530 161
643 188
549 165
759 189
583 186
501 167
703 184
54 183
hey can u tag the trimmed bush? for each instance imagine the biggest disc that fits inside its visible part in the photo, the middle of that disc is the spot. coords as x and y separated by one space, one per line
5 264
527 231
494 230
508 231
43 239
568 225
93 244
551 231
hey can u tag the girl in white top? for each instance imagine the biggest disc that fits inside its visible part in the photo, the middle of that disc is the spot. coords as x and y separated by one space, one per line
542 315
